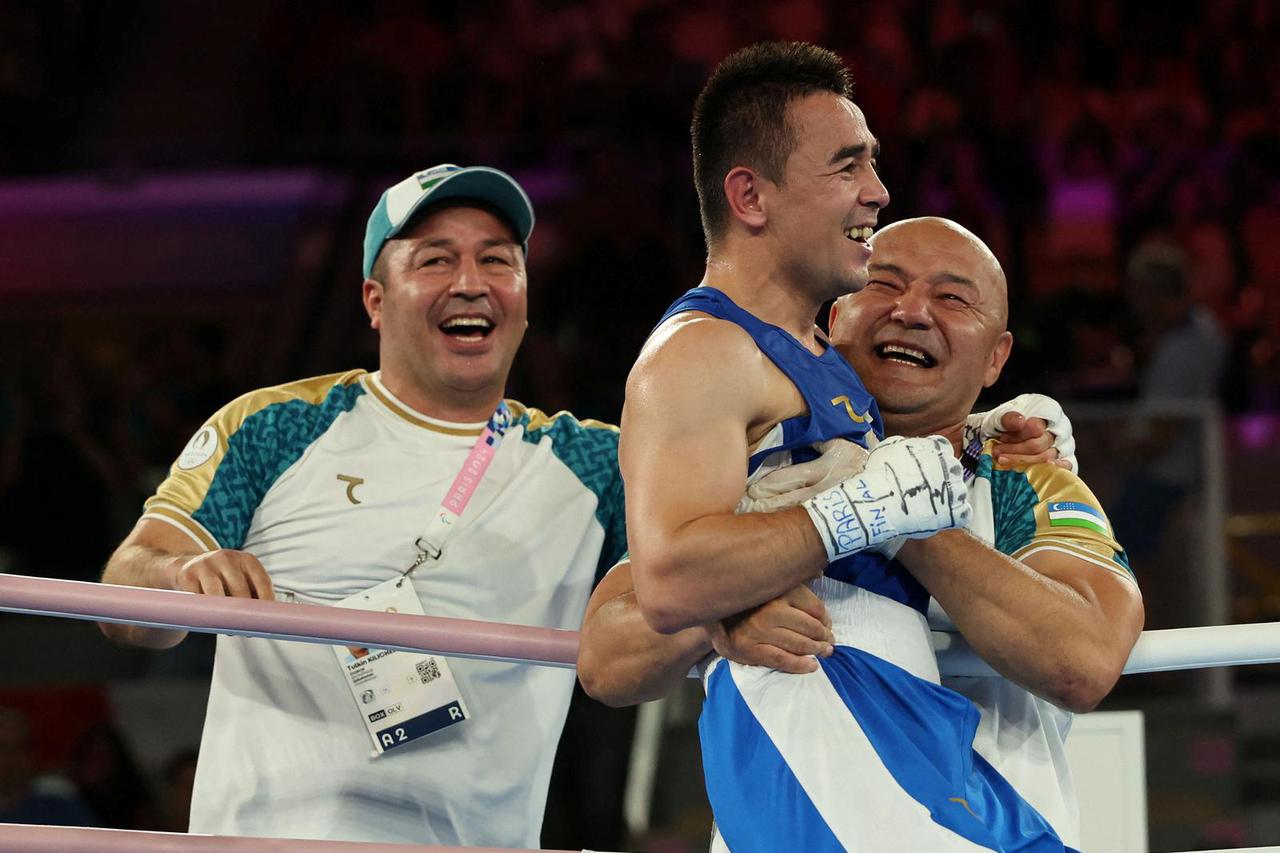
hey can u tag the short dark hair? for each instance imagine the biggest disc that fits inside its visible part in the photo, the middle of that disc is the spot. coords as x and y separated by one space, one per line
740 117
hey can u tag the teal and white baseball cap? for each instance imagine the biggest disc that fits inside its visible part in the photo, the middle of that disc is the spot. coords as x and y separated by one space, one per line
446 181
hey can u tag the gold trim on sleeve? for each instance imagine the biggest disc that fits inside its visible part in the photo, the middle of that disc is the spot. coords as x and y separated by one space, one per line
539 419
1073 550
185 523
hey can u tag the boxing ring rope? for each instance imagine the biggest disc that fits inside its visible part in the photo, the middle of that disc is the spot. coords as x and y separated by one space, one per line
277 620
30 838
1156 651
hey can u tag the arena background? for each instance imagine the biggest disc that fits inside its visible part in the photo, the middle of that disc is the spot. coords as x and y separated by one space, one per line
183 190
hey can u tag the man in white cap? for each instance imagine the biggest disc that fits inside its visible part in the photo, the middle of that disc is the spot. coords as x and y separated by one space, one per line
328 491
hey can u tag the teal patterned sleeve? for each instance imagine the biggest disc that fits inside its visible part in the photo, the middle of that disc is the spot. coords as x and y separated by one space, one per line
214 487
1013 504
615 527
590 450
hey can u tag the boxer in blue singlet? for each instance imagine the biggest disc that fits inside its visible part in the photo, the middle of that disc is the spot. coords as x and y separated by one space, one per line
867 751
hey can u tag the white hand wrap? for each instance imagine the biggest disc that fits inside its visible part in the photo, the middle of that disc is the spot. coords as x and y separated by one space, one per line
910 487
790 485
987 424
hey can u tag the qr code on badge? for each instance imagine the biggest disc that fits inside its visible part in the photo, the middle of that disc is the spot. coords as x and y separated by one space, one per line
428 670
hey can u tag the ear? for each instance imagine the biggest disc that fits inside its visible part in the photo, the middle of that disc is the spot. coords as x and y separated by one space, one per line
840 309
999 355
741 189
372 293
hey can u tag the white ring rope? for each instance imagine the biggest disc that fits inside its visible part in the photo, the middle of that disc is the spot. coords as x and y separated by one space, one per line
1156 651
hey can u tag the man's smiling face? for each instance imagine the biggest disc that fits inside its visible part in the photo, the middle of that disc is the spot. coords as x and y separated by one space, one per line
453 308
927 333
824 210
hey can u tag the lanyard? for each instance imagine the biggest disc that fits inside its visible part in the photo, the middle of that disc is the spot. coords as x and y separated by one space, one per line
431 543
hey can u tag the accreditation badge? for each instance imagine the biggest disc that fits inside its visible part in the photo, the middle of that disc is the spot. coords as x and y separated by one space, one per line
401 696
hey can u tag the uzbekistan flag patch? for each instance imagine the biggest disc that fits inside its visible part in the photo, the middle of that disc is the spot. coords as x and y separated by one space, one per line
1075 514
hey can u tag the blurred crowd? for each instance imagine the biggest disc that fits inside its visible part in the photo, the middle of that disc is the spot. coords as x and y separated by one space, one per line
88 431
99 784
1121 158
1069 135
1066 134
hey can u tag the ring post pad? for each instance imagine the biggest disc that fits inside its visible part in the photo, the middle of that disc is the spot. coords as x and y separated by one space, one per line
401 696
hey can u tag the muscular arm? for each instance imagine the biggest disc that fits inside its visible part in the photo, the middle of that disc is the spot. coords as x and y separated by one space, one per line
692 398
159 556
1056 624
621 660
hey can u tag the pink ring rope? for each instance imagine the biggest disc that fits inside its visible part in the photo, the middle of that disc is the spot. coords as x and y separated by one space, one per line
30 838
1156 651
305 623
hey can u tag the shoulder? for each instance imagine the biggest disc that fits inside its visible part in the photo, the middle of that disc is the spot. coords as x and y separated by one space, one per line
1053 482
1041 481
694 334
560 426
694 356
1043 505
588 448
314 392
295 411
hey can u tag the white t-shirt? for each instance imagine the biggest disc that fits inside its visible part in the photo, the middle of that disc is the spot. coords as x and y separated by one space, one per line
1019 512
329 481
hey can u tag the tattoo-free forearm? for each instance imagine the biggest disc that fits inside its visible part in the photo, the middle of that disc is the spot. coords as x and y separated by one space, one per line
144 566
622 661
1057 626
721 565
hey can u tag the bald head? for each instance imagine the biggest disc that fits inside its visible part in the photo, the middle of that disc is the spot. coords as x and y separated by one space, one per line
946 245
928 332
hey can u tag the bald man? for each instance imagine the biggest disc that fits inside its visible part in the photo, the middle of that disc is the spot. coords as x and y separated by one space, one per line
1037 585
1051 605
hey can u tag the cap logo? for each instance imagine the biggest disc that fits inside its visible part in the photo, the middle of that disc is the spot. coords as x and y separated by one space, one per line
399 202
433 176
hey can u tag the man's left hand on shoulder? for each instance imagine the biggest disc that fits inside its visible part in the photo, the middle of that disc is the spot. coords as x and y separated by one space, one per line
1029 429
